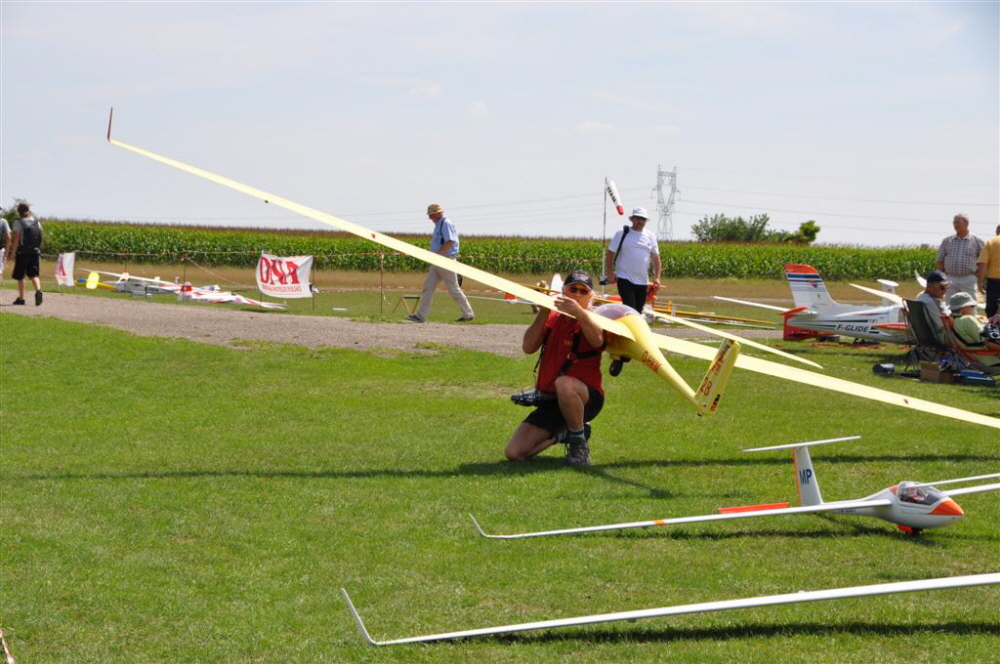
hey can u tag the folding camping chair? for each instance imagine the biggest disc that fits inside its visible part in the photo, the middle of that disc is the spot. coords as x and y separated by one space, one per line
972 357
929 346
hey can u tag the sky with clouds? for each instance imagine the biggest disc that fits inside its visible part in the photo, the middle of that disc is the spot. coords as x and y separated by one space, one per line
878 120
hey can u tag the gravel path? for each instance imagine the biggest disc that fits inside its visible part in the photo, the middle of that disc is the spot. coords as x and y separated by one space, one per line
224 326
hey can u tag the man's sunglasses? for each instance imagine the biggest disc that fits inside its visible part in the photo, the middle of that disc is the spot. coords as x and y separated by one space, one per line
578 290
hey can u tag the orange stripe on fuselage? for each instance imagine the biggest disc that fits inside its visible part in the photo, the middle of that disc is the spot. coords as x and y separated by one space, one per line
948 508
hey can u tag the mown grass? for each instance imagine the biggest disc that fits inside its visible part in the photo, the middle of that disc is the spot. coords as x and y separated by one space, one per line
168 501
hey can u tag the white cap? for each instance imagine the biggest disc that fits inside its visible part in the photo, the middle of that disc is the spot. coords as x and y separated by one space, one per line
639 212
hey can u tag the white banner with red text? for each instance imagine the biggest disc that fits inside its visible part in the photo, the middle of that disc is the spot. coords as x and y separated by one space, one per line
284 277
65 265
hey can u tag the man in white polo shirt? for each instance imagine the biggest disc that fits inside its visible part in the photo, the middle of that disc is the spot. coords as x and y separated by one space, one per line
628 260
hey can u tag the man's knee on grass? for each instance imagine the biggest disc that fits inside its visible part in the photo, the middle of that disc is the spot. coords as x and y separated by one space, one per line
568 387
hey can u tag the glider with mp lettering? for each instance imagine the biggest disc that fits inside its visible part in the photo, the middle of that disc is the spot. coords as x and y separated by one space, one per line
630 335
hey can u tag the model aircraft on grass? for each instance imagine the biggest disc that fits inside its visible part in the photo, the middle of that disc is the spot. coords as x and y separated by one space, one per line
629 334
145 287
816 313
799 597
912 506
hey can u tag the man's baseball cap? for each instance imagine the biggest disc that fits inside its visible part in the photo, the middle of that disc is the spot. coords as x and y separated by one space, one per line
579 277
937 276
434 208
639 212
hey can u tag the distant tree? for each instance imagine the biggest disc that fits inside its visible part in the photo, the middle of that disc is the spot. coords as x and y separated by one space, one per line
10 212
720 228
808 230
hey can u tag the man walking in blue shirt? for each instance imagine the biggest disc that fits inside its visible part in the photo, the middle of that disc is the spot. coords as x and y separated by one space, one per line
444 241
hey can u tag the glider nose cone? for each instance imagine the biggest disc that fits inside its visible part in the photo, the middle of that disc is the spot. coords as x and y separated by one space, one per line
948 508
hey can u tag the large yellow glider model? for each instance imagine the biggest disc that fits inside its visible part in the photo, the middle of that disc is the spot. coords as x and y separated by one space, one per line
630 336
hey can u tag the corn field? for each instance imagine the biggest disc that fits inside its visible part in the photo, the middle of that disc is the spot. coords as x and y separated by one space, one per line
108 242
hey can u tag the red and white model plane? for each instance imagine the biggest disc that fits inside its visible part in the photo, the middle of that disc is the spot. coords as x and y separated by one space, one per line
912 506
816 313
145 287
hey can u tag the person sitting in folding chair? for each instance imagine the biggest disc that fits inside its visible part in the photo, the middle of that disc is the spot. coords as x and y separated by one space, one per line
933 299
968 331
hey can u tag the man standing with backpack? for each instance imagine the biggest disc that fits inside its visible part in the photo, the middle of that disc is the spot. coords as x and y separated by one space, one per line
628 260
26 243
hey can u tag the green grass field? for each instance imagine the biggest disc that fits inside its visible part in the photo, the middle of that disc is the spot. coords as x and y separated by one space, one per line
165 501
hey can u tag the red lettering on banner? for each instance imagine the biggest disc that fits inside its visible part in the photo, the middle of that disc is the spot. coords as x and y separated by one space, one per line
274 272
264 270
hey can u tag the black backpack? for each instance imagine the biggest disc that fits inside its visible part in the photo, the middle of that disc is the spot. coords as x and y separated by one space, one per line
31 239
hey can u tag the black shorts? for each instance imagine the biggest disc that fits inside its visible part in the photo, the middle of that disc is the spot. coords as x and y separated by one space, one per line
548 416
25 265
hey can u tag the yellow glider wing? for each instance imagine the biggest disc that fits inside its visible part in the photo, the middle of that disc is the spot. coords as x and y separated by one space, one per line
814 379
613 326
492 280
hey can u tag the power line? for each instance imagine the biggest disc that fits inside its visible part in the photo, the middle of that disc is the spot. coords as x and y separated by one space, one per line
814 213
853 200
834 179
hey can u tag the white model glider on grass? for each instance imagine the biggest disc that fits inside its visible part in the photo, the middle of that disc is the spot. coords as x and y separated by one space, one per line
912 506
145 287
799 597
630 336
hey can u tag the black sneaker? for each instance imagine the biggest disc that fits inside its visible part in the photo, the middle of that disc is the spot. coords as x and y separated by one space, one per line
38 298
464 319
579 451
19 300
413 318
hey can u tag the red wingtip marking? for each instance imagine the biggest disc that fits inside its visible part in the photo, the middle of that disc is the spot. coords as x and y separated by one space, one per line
752 508
797 268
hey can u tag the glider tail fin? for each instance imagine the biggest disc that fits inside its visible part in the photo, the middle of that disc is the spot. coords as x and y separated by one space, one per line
808 288
805 478
717 377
